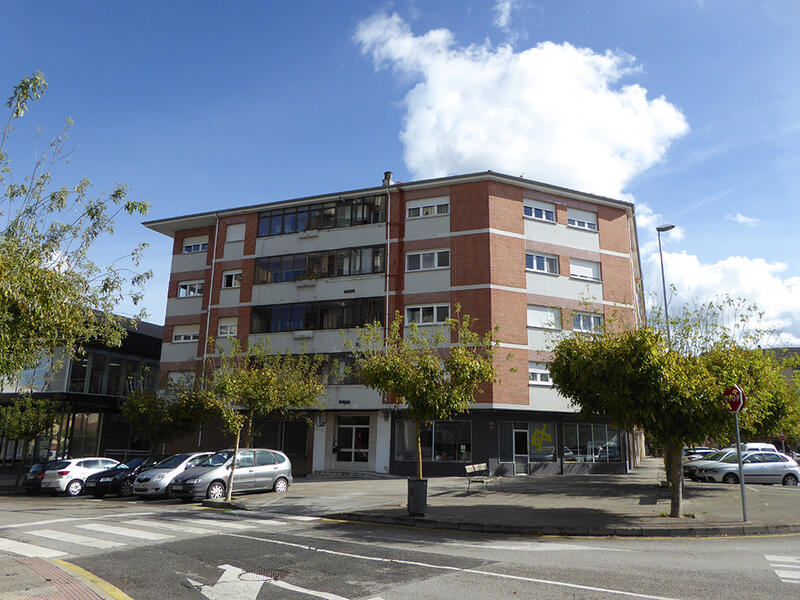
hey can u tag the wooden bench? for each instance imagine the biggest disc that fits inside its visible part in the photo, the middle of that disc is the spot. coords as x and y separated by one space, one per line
479 473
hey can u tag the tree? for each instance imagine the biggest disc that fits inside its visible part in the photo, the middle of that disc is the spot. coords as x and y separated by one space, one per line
435 375
258 381
25 419
639 380
52 294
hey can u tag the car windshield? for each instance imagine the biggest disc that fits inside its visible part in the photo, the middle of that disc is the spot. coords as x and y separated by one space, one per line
132 463
732 458
172 462
36 468
58 465
217 460
714 456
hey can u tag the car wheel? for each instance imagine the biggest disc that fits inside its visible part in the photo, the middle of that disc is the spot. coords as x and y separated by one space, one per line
216 491
74 487
126 488
789 479
281 485
730 478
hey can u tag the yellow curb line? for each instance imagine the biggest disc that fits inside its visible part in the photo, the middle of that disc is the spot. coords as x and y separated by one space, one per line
105 586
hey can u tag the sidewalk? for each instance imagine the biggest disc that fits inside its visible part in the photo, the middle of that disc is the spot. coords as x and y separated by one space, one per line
626 505
35 578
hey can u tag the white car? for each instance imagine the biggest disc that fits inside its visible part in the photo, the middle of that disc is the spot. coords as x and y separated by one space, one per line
757 467
153 482
67 476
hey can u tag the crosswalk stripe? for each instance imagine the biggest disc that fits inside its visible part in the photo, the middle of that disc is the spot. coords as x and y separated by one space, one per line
72 538
124 531
299 518
169 526
29 550
775 558
219 523
782 573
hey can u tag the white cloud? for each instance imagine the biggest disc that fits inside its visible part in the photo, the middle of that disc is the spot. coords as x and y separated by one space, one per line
502 14
554 112
740 218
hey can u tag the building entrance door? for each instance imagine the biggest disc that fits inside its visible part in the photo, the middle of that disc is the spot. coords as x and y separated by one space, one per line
520 449
352 439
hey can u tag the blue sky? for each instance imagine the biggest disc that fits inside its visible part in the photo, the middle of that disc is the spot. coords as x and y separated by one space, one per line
687 108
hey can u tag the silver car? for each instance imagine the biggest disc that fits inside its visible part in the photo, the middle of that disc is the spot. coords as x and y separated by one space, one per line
256 469
154 482
757 467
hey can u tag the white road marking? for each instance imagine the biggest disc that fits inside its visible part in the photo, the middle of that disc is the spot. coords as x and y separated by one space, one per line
124 531
72 538
29 550
534 547
773 558
787 568
299 518
69 519
218 523
455 569
169 526
787 574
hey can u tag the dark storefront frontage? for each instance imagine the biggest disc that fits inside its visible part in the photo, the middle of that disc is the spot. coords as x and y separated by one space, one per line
519 442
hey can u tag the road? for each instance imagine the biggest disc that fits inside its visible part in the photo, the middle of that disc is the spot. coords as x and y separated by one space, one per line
156 550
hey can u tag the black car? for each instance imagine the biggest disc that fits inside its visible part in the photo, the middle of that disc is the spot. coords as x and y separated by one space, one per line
32 484
119 480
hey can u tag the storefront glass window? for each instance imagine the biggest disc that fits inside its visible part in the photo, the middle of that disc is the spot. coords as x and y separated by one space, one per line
444 441
542 442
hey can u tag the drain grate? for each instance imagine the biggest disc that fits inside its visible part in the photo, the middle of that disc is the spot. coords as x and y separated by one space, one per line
272 573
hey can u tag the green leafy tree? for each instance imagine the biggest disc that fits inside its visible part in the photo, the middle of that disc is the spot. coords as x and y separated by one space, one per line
52 294
258 381
25 419
435 375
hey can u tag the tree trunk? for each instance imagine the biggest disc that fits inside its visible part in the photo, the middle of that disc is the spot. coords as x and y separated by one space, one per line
419 451
229 487
676 480
248 434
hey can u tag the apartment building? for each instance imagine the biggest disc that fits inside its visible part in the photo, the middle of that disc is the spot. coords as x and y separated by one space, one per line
538 260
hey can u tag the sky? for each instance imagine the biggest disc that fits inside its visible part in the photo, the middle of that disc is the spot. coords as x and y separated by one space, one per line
690 109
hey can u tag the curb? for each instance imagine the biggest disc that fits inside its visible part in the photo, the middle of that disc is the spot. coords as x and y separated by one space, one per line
232 505
103 587
721 530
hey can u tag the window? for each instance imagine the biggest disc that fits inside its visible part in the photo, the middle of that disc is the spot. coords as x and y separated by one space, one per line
352 439
449 441
338 369
185 333
541 263
540 210
430 207
539 374
235 233
195 244
228 327
544 317
232 279
318 265
584 442
188 289
584 269
304 316
427 315
424 261
582 219
587 322
344 212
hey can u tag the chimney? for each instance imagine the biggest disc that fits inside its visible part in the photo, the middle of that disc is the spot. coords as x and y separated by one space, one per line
387 179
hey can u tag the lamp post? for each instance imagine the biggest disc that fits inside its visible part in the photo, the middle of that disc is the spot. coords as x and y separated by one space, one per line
661 229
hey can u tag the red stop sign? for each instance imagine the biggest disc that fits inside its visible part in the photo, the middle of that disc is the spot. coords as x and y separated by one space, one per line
734 396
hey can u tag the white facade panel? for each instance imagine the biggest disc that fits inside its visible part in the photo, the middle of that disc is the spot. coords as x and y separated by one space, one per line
188 262
235 232
229 297
561 235
364 286
320 447
563 287
383 436
233 250
178 352
427 227
436 280
316 342
352 397
544 339
323 239
547 398
184 306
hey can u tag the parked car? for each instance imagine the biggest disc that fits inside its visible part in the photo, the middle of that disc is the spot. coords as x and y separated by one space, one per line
154 482
256 469
119 479
67 476
692 468
690 454
755 447
32 484
757 467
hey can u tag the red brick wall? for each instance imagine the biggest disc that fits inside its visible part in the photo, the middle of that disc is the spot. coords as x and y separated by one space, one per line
505 207
612 226
469 208
470 259
617 279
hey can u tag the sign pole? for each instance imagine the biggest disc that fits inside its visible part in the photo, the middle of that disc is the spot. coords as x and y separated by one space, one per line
741 471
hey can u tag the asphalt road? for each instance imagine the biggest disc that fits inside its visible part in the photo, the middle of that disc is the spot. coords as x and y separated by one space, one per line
157 550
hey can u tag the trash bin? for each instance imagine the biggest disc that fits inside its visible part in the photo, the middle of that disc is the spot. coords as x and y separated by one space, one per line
417 497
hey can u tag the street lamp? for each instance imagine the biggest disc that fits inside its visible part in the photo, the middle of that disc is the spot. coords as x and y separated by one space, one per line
661 229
